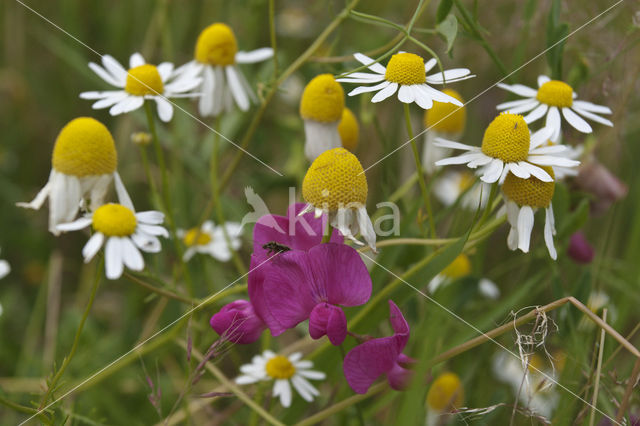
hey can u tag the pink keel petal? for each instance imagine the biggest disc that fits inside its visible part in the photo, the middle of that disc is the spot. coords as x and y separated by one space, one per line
238 322
330 320
399 377
366 362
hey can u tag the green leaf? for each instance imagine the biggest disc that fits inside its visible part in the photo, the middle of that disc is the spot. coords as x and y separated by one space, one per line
443 10
575 220
556 31
448 29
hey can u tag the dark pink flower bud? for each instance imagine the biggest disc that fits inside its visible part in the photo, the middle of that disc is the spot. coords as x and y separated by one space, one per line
330 320
579 248
238 322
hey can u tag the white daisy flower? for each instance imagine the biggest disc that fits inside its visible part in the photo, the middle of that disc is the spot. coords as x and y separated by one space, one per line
458 269
443 120
210 239
508 146
141 81
284 371
455 184
84 162
406 74
321 107
336 184
552 97
216 56
523 198
123 232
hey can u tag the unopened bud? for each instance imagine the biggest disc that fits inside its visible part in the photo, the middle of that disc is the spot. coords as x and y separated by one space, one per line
141 138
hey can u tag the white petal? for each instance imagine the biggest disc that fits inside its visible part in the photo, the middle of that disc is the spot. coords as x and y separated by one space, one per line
366 228
373 66
519 171
405 94
128 104
5 268
539 173
282 388
488 289
136 60
98 95
423 99
481 160
64 199
537 113
525 226
376 78
512 104
364 89
588 106
549 149
237 90
551 160
548 232
302 386
592 116
439 96
430 64
576 121
113 258
42 195
76 225
540 137
313 375
246 380
492 171
320 137
206 102
385 93
92 246
455 74
460 159
110 100
219 250
131 256
146 242
553 122
151 217
519 89
121 192
542 79
254 56
165 109
524 108
103 74
115 68
154 230
454 145
165 69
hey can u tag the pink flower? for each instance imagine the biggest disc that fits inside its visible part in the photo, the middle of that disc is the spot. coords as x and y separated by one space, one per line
599 181
238 322
299 285
366 362
579 248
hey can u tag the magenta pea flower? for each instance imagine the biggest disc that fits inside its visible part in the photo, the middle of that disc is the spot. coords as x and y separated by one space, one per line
299 285
238 322
366 362
579 248
291 231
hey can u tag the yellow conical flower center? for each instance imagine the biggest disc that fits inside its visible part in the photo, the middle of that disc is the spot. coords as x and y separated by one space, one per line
217 45
322 100
144 80
530 192
335 180
196 237
114 220
279 367
445 393
349 130
555 93
507 138
406 69
446 117
84 147
460 267
466 180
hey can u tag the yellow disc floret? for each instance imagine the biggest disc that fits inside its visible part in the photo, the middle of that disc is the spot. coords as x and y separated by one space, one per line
84 147
446 117
507 138
555 93
335 180
349 130
530 192
216 45
406 69
196 237
279 367
460 267
114 220
144 80
322 100
445 393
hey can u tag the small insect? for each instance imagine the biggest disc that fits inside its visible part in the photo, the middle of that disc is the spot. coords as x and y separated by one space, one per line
274 247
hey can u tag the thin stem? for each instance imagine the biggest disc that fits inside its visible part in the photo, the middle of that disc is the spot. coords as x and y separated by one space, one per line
65 363
162 292
147 170
487 209
633 379
596 386
272 34
419 170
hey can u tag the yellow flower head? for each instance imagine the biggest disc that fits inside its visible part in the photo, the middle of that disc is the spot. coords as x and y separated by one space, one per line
280 368
114 220
406 69
84 147
507 138
196 237
555 93
446 117
460 267
530 192
216 45
335 180
144 80
322 100
445 393
349 130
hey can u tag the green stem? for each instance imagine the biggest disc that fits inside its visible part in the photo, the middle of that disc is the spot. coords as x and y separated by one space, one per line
487 209
65 363
419 171
272 34
147 172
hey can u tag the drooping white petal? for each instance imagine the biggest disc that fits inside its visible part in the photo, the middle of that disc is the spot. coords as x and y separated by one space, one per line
64 200
385 93
492 171
549 231
592 116
154 230
588 106
519 89
302 390
430 64
542 79
366 228
481 160
121 192
423 99
576 121
370 63
282 388
540 137
554 122
76 225
130 103
222 98
205 104
254 56
113 258
439 96
519 171
92 246
146 242
131 255
320 137
136 60
525 226
151 217
241 98
39 199
405 94
536 114
165 109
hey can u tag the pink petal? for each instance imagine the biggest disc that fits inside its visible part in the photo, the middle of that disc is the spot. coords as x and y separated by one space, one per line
330 320
237 322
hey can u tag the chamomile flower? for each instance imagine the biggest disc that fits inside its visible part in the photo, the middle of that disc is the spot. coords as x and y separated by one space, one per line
446 393
444 120
508 146
216 55
284 372
552 97
336 184
406 74
349 130
523 198
123 232
458 269
140 82
321 109
210 239
455 184
84 162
